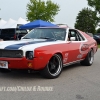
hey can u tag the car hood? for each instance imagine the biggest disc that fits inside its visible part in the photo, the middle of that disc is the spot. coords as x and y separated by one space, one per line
26 44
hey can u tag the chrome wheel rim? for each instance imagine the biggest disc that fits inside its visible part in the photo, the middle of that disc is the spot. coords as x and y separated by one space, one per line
91 57
54 65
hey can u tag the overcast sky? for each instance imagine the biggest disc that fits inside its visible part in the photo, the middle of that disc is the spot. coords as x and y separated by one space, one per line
67 14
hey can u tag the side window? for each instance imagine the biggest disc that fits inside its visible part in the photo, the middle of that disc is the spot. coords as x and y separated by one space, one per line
80 36
76 34
73 34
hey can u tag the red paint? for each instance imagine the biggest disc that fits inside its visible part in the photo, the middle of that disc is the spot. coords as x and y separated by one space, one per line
43 54
84 47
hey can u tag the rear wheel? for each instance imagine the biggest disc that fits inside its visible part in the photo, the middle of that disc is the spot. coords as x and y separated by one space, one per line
53 68
88 61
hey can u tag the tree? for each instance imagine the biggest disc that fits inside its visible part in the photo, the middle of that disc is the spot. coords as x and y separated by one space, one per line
98 30
95 4
86 20
44 10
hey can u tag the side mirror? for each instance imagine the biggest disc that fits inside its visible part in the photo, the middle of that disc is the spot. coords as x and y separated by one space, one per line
72 38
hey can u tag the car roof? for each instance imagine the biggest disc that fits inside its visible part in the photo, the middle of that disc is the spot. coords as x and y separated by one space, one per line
59 27
49 27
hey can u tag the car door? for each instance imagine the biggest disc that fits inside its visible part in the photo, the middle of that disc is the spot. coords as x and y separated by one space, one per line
75 46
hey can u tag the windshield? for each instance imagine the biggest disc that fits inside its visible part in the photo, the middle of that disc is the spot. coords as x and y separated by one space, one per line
46 33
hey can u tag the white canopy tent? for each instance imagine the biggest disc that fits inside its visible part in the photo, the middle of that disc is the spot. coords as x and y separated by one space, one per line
2 22
20 21
8 24
12 23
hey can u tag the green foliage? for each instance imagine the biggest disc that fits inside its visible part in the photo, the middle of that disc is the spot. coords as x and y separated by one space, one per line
86 20
99 46
98 30
95 4
44 10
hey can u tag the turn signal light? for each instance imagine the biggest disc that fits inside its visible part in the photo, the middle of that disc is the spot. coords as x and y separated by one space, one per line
29 64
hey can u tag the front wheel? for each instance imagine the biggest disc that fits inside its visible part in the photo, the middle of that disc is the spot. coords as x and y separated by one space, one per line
88 61
53 68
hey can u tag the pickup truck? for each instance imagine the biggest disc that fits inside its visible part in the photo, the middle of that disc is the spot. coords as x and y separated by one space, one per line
12 34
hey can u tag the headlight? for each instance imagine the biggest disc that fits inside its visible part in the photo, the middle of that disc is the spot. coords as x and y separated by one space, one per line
29 55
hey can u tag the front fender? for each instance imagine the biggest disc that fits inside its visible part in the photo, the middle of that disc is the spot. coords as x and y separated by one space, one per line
43 56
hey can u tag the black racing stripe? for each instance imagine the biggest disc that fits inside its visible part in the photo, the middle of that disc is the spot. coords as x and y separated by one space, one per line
17 46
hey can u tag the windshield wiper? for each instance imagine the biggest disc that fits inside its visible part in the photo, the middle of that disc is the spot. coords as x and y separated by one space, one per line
47 38
27 38
44 38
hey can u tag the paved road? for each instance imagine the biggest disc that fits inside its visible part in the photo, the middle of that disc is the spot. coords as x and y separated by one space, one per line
75 83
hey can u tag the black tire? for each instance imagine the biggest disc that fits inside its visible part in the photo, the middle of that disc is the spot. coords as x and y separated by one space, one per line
6 38
54 67
4 70
88 61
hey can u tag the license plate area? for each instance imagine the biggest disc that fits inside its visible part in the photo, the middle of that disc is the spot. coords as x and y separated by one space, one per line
4 64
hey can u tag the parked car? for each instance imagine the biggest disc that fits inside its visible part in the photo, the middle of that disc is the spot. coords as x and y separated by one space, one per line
97 38
12 34
97 33
0 31
48 50
90 34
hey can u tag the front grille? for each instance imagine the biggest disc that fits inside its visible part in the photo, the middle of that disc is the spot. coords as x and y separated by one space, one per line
11 53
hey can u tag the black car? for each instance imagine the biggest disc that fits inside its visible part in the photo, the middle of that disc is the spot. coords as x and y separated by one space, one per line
0 31
90 34
97 33
12 34
97 38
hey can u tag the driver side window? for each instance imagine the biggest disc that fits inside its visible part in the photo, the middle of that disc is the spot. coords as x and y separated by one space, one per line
75 35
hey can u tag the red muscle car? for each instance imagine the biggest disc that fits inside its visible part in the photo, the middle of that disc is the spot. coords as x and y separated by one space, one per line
48 50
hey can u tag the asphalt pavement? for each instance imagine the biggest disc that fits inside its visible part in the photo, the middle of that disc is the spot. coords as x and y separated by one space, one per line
76 82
